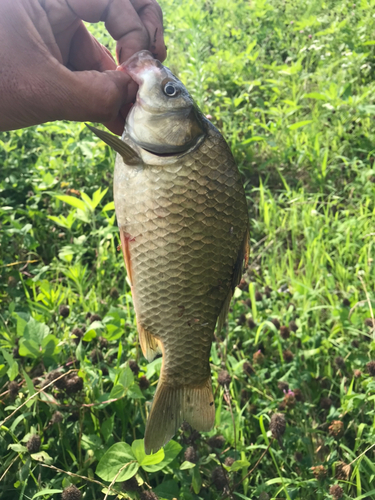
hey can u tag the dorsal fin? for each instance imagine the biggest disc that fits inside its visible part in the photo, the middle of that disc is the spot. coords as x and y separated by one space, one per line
128 154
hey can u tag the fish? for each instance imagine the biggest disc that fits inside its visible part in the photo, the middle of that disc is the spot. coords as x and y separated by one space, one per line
184 228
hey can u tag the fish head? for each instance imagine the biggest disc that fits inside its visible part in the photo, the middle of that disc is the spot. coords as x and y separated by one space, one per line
164 118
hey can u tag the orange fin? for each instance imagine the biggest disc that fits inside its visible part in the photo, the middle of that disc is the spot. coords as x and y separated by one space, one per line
174 405
149 344
126 253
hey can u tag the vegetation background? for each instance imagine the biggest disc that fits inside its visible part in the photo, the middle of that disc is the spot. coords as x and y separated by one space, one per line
291 86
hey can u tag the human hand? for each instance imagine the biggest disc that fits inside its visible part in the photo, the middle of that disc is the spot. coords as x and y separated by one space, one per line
52 68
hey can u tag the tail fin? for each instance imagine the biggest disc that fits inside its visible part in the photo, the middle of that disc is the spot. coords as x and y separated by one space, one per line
172 406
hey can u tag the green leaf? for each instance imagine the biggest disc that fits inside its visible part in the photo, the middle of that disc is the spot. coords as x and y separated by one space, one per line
316 95
168 489
126 378
109 206
98 196
107 427
196 481
29 348
18 447
135 392
89 335
30 388
72 201
297 125
46 492
171 450
42 456
118 391
187 465
239 464
114 459
13 371
138 448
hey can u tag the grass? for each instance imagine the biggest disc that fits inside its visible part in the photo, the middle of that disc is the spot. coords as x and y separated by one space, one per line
291 86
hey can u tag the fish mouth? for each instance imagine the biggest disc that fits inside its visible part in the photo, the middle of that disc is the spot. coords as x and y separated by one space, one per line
139 63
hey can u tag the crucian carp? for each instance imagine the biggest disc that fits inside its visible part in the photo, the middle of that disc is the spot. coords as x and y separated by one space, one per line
183 220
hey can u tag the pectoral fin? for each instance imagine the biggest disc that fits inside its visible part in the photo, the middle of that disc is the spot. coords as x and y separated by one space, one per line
128 154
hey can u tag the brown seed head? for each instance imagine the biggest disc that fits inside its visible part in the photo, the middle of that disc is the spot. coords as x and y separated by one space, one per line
298 395
96 356
114 293
94 317
277 425
218 478
13 389
336 491
247 368
319 472
288 356
346 302
248 303
74 384
289 399
144 383
336 429
264 496
371 368
130 485
224 378
103 342
53 375
283 386
241 320
251 323
33 444
342 471
191 455
71 493
216 441
133 365
325 403
229 461
357 373
276 323
64 311
258 357
355 343
16 352
369 322
284 332
258 296
243 285
57 418
339 362
78 334
298 456
267 291
293 326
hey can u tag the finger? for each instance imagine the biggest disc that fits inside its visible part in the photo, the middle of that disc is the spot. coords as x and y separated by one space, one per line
124 24
151 15
86 53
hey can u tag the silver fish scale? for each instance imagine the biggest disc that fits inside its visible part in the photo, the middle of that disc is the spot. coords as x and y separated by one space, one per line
185 224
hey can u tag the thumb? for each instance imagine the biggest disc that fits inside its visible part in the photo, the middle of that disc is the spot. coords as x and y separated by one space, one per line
94 96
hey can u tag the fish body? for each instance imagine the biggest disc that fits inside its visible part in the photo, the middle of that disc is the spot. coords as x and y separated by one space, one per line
183 223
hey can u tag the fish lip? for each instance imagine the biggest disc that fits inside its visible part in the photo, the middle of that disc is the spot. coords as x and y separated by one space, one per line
137 63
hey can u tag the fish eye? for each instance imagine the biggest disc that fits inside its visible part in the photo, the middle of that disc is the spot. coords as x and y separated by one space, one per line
170 89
